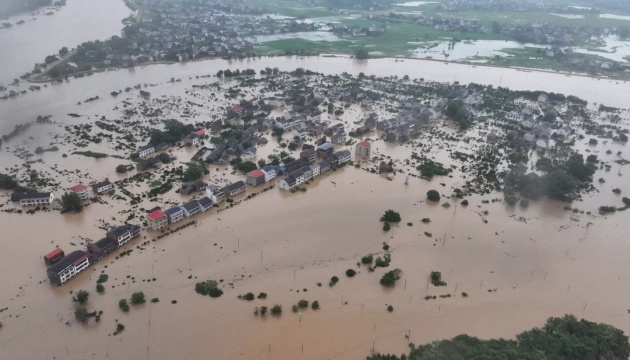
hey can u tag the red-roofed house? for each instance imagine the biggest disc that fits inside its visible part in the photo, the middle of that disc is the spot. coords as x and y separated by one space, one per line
54 256
255 177
201 132
237 110
363 149
81 190
157 220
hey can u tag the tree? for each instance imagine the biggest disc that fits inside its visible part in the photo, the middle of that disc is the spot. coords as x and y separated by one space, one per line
391 216
361 53
63 51
81 297
7 182
123 305
138 298
559 185
247 166
81 314
315 305
389 278
433 195
436 278
350 273
71 202
303 304
100 288
276 309
121 169
194 171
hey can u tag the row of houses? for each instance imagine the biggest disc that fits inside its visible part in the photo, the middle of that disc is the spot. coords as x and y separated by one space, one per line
308 172
64 267
47 198
159 219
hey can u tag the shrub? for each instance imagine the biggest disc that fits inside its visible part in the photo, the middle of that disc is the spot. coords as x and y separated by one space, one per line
436 278
386 226
249 296
390 308
138 298
511 200
100 288
350 272
464 294
262 295
123 305
201 288
81 314
82 297
102 278
385 246
263 310
333 280
154 300
390 277
367 259
302 304
215 292
433 195
426 220
384 262
315 305
276 309
464 203
391 216
294 308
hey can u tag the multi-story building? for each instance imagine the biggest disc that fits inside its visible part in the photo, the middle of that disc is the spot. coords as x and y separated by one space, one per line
68 267
157 220
363 149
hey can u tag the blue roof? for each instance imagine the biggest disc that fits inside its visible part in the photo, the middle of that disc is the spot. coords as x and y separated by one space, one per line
325 146
267 168
173 210
282 168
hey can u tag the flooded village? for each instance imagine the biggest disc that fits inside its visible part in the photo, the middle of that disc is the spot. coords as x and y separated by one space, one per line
329 207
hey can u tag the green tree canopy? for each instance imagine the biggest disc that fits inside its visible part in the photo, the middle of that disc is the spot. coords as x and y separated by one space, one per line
71 202
194 171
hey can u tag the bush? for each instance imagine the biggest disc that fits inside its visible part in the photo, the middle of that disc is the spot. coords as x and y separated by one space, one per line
383 262
333 280
201 288
386 226
315 305
390 308
350 273
391 216
433 195
263 310
102 278
303 304
436 278
154 300
294 308
249 296
367 259
276 309
100 288
81 314
426 220
82 297
390 277
511 200
464 294
262 295
123 305
138 298
215 292
464 203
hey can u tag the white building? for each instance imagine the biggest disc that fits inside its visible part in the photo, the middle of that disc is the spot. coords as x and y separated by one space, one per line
34 199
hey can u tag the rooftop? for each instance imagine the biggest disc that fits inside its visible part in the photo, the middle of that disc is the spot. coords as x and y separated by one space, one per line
364 143
156 214
77 188
53 253
325 146
256 173
68 260
236 185
173 210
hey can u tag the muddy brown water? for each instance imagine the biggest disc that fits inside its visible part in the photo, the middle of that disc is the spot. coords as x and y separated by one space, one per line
542 261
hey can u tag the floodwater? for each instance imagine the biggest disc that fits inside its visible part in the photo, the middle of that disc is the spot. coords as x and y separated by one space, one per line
519 268
468 49
29 43
570 16
614 16
416 3
613 48
306 35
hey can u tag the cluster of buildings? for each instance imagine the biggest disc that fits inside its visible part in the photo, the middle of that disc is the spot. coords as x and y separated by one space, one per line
47 198
305 169
169 31
63 267
159 219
